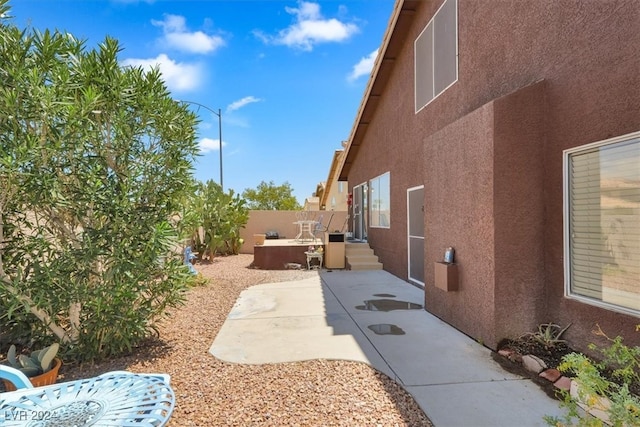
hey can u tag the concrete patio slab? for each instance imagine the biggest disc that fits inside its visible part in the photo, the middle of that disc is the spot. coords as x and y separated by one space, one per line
290 322
303 298
284 339
375 318
417 356
485 404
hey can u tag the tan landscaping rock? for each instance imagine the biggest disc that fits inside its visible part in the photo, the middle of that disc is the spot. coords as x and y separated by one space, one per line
506 352
597 406
210 392
533 363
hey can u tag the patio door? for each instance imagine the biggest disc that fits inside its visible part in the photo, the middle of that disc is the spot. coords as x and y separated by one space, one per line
360 211
415 235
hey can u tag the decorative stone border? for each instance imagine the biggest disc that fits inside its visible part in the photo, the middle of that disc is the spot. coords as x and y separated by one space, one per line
536 365
596 407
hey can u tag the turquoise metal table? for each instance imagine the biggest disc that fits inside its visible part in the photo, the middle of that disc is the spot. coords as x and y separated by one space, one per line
113 399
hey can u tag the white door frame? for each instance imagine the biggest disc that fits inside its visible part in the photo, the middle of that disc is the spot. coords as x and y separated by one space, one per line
360 211
415 237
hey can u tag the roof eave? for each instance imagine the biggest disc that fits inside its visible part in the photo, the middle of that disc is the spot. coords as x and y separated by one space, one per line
391 43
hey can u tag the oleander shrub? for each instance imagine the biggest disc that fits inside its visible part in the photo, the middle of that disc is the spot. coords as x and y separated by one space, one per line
95 160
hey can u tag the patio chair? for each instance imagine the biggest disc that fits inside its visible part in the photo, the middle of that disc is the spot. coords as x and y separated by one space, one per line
321 229
305 225
117 398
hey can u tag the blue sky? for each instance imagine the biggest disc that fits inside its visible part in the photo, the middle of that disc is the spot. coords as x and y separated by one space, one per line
288 75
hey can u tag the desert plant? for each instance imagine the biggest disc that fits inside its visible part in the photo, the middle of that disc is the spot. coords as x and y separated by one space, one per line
219 218
549 334
603 386
38 362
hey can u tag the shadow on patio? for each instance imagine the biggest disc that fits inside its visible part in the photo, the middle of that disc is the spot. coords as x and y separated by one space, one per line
340 315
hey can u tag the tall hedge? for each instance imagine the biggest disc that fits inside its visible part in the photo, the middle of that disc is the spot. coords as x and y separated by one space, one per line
94 160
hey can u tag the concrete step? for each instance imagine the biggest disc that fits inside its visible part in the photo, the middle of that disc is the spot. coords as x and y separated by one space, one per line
363 265
359 256
358 250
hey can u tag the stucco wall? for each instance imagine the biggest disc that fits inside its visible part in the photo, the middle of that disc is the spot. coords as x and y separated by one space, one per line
519 211
393 142
587 54
458 164
489 207
283 223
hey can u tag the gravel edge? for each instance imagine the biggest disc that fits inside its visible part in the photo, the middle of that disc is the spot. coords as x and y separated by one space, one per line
210 392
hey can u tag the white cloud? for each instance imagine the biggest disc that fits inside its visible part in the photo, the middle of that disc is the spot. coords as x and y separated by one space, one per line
363 67
208 145
171 23
310 28
177 36
306 11
179 77
242 102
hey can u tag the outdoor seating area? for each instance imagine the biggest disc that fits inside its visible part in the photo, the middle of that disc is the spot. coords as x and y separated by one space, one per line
276 254
310 227
306 227
306 248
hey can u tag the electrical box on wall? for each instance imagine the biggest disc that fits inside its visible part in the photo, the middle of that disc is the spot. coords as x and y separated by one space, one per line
446 276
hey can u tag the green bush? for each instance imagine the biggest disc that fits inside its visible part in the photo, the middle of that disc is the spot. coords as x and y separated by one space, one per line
216 219
611 379
94 161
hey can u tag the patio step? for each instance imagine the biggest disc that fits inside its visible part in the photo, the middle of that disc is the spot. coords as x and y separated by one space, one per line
360 256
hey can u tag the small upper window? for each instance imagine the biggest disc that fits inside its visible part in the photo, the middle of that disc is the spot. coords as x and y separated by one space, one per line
602 223
436 55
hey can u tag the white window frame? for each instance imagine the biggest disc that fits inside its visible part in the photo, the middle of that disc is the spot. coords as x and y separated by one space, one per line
567 226
374 189
428 56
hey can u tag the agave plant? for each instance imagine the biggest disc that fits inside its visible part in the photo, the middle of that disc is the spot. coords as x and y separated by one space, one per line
39 362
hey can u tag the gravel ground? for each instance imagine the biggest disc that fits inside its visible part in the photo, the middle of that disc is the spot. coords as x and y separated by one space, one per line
211 392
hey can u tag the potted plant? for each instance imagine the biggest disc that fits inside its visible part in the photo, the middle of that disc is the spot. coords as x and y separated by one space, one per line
41 366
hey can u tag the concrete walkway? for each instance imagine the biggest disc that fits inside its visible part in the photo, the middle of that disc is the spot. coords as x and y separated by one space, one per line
340 315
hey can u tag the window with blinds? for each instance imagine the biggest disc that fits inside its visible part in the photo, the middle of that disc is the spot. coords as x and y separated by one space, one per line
436 55
602 223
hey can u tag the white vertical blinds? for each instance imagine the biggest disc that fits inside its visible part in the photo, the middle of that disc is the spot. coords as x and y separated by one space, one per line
604 223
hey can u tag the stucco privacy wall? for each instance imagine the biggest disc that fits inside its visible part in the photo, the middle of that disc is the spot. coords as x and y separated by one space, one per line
484 198
458 167
283 222
519 211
